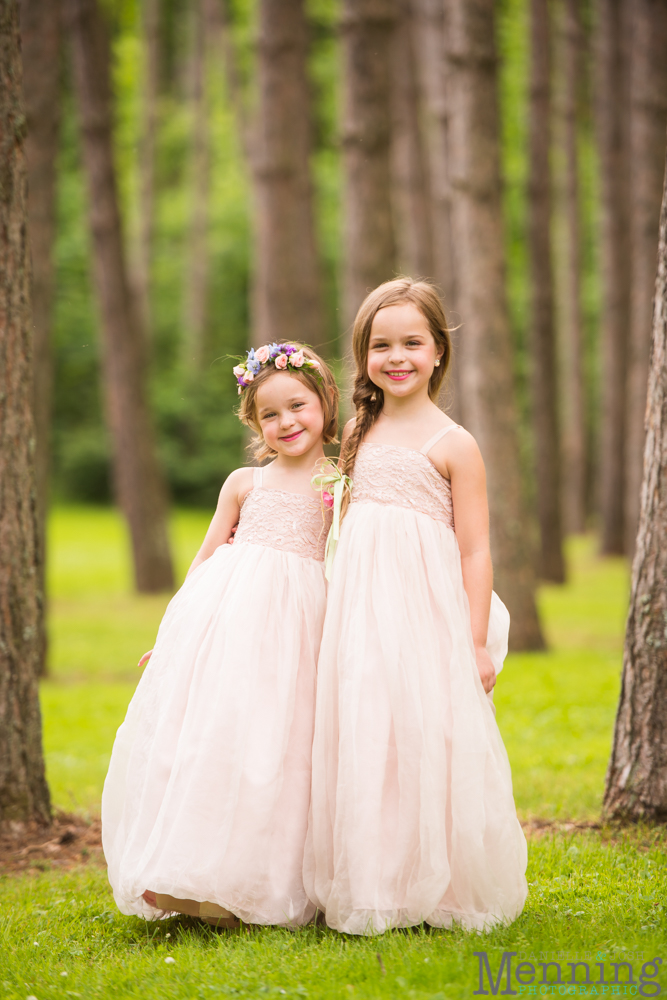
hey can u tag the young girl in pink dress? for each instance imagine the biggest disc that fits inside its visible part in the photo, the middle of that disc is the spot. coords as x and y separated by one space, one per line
205 805
412 815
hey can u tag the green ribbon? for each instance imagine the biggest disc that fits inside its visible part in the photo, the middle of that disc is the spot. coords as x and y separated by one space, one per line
335 482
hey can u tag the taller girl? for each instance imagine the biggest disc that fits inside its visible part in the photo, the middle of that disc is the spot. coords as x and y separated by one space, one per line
412 814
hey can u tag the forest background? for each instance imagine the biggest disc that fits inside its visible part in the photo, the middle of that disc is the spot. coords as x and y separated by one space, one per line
191 389
228 173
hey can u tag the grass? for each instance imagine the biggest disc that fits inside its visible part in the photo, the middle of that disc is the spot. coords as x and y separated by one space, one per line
595 895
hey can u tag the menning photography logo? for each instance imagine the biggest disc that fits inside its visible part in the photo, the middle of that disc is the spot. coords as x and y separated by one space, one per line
567 978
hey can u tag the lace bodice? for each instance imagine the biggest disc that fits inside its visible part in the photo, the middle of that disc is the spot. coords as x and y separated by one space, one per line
403 477
290 522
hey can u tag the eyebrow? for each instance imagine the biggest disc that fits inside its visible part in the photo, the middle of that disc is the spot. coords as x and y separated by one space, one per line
293 399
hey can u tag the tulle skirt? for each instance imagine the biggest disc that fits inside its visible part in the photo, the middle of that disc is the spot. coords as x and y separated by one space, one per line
209 782
412 814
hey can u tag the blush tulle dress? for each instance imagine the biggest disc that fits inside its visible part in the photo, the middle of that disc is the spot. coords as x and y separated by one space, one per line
208 788
412 813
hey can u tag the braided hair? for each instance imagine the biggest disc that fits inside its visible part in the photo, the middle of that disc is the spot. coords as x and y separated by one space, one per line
366 396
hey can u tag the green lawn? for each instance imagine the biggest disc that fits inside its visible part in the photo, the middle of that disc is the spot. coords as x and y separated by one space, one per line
555 709
595 895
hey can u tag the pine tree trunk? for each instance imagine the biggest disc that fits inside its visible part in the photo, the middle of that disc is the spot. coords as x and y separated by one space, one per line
369 252
412 199
24 794
139 482
146 208
574 410
613 141
648 123
40 42
636 785
486 376
287 294
196 287
432 67
542 326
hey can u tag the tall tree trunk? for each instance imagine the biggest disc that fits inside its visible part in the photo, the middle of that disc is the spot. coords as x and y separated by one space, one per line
613 140
648 123
146 208
369 253
139 482
574 410
196 287
432 68
487 379
636 785
287 294
542 327
411 181
24 794
40 41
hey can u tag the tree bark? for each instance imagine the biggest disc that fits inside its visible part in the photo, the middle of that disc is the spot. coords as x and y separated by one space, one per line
40 41
574 410
196 287
636 786
648 123
613 141
369 252
287 284
146 208
24 794
432 68
139 482
486 376
412 196
542 326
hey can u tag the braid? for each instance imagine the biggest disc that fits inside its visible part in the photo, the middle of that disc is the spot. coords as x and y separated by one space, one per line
369 401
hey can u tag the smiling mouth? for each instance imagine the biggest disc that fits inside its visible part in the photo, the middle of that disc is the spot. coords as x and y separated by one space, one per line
398 376
292 437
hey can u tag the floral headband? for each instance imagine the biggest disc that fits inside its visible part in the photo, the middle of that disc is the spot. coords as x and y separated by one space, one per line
282 356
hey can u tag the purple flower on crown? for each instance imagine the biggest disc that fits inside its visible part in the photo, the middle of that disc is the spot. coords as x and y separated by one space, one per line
252 363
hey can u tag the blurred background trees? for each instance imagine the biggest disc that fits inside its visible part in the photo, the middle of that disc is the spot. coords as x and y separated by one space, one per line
272 161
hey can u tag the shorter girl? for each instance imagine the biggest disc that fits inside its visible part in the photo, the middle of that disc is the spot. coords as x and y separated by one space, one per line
205 805
412 815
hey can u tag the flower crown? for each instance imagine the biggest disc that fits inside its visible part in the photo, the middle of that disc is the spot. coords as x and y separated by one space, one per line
282 356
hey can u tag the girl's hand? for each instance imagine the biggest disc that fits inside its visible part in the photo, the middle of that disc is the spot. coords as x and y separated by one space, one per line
145 658
230 540
487 671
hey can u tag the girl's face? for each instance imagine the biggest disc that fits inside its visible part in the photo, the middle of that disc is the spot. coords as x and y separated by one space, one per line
290 415
401 350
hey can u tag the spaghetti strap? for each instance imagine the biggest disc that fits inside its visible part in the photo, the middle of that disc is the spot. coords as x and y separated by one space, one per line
436 437
257 477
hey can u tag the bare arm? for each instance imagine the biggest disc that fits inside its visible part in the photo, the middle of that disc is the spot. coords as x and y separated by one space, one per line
226 515
465 469
225 518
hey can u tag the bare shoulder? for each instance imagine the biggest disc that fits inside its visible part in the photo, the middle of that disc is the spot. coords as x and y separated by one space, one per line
457 452
236 485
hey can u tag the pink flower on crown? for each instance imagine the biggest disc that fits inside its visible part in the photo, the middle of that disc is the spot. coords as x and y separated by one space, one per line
297 359
281 361
262 354
327 499
248 377
313 362
238 370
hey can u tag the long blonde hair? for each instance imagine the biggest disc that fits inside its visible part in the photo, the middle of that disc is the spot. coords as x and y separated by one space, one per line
366 396
320 380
